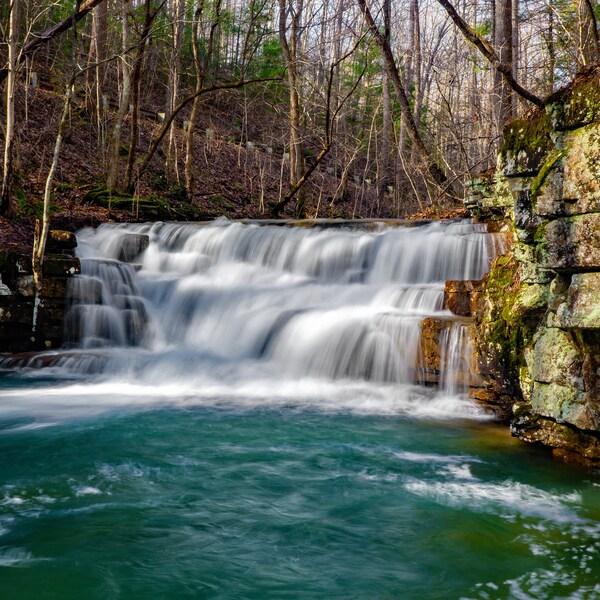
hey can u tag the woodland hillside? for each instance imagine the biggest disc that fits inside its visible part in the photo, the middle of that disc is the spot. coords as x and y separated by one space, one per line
192 109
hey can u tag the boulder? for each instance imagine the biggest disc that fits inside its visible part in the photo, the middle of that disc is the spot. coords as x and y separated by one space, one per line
457 296
61 241
132 245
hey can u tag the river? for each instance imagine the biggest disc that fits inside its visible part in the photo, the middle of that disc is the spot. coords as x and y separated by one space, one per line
239 415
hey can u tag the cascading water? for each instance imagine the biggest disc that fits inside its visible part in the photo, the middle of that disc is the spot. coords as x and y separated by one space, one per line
290 303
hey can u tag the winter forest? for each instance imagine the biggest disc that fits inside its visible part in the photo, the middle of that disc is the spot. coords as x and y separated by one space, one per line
265 108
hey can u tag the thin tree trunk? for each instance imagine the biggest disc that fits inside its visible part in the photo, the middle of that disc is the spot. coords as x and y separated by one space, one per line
135 89
383 164
178 16
113 159
9 136
290 53
201 73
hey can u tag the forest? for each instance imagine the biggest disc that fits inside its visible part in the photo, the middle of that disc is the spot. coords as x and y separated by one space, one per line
191 109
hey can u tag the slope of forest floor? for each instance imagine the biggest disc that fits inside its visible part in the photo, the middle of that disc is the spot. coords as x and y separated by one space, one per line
239 169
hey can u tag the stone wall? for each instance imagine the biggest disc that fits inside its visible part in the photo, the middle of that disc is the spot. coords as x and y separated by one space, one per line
17 296
538 313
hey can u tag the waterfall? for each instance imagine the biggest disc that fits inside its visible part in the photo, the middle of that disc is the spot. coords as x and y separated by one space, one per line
288 302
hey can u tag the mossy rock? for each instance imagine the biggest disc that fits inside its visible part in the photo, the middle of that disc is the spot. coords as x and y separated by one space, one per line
526 144
146 208
514 310
576 105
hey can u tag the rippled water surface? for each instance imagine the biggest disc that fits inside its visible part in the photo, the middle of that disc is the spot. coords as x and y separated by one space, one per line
224 499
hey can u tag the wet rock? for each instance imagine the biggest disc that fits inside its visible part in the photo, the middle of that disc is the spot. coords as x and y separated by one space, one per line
457 296
432 358
4 289
132 245
58 265
573 243
566 442
52 287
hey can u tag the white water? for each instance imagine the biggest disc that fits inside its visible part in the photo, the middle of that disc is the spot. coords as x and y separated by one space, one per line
250 314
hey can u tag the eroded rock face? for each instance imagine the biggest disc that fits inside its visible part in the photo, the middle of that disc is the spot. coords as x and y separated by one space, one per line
573 243
538 313
581 183
582 307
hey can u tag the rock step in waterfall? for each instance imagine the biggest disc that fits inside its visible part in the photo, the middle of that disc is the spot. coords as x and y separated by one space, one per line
291 302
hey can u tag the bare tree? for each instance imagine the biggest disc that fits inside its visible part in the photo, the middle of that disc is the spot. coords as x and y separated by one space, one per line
113 157
289 36
9 135
434 169
201 69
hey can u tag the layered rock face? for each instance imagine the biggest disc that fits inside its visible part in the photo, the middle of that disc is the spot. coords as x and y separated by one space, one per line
18 302
538 313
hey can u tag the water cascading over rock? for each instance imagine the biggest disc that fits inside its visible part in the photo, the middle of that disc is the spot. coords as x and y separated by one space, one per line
319 303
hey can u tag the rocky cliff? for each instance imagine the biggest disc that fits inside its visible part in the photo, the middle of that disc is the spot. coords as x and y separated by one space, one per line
538 311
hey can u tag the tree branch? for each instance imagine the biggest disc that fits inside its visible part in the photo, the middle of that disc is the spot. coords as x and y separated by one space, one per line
169 120
49 34
490 54
435 170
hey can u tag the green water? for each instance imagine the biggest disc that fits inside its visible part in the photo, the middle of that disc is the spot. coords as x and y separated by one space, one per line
224 500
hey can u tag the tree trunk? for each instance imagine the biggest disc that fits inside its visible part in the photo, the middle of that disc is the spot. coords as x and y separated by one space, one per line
177 14
435 170
150 15
99 53
587 34
201 68
290 53
113 159
503 44
9 136
384 176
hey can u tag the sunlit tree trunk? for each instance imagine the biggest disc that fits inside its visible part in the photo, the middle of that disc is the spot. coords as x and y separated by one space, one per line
9 136
503 43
